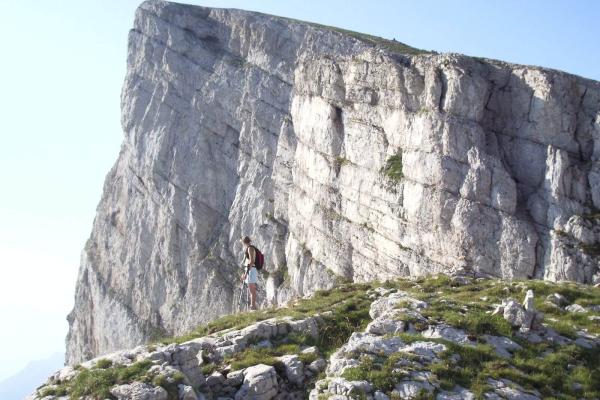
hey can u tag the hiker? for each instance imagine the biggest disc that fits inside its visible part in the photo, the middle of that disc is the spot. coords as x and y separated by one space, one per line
250 272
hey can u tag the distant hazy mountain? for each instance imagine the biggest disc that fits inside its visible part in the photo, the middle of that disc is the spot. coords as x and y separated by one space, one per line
34 374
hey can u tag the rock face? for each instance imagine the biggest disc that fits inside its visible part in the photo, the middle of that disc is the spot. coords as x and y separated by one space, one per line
340 157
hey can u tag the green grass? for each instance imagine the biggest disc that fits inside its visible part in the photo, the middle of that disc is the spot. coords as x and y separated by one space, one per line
169 384
96 382
382 373
459 298
553 375
346 311
349 306
104 363
320 302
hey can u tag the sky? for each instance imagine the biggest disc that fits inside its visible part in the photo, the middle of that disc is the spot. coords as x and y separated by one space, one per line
62 65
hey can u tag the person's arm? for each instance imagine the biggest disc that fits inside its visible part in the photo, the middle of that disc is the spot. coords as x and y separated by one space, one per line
252 254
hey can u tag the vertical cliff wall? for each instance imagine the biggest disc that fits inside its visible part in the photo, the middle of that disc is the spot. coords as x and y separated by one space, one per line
343 156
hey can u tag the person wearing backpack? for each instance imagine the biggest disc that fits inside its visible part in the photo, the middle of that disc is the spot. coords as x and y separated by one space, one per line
253 261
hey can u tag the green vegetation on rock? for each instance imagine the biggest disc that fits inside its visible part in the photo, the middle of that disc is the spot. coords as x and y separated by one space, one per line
96 382
555 371
393 167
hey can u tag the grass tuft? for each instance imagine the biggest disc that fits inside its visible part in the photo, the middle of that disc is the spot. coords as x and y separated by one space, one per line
393 167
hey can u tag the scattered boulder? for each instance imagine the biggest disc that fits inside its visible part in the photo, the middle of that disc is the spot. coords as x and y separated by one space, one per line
585 343
294 368
187 393
516 314
506 389
379 395
382 326
385 304
318 365
524 316
557 299
310 350
427 350
139 391
575 308
235 378
458 393
368 343
503 345
528 301
444 331
411 389
216 378
344 387
264 344
260 383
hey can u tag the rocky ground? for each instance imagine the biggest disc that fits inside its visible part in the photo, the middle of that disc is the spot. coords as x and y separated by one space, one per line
437 337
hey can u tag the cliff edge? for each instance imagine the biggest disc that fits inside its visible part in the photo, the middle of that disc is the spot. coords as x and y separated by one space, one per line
345 157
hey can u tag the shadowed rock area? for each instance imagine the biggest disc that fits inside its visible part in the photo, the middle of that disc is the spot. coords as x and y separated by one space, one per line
345 157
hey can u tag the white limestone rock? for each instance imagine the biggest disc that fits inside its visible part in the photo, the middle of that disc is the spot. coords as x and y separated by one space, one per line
528 303
139 391
510 390
341 386
503 346
239 123
557 299
294 368
186 393
444 331
367 343
235 378
517 315
410 389
260 383
382 326
317 366
575 308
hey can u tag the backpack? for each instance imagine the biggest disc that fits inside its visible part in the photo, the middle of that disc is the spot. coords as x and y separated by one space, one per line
259 260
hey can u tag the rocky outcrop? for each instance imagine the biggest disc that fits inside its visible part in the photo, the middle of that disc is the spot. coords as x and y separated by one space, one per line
344 157
428 338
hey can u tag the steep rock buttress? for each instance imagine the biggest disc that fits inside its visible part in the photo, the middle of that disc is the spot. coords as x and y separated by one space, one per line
238 123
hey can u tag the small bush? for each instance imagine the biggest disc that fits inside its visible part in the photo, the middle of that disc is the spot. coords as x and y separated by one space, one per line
104 363
393 167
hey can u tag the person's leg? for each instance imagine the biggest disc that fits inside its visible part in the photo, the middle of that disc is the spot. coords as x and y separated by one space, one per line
252 295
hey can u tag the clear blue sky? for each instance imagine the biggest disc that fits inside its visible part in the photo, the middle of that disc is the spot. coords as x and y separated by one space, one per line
62 67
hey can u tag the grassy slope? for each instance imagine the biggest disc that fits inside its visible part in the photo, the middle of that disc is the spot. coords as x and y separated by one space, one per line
552 371
555 371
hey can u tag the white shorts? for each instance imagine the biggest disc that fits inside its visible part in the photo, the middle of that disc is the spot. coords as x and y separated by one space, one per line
252 276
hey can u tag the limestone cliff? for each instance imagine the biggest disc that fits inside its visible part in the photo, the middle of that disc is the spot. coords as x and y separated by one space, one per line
344 157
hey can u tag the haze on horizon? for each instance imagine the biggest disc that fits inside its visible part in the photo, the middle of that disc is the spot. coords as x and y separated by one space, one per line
64 65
